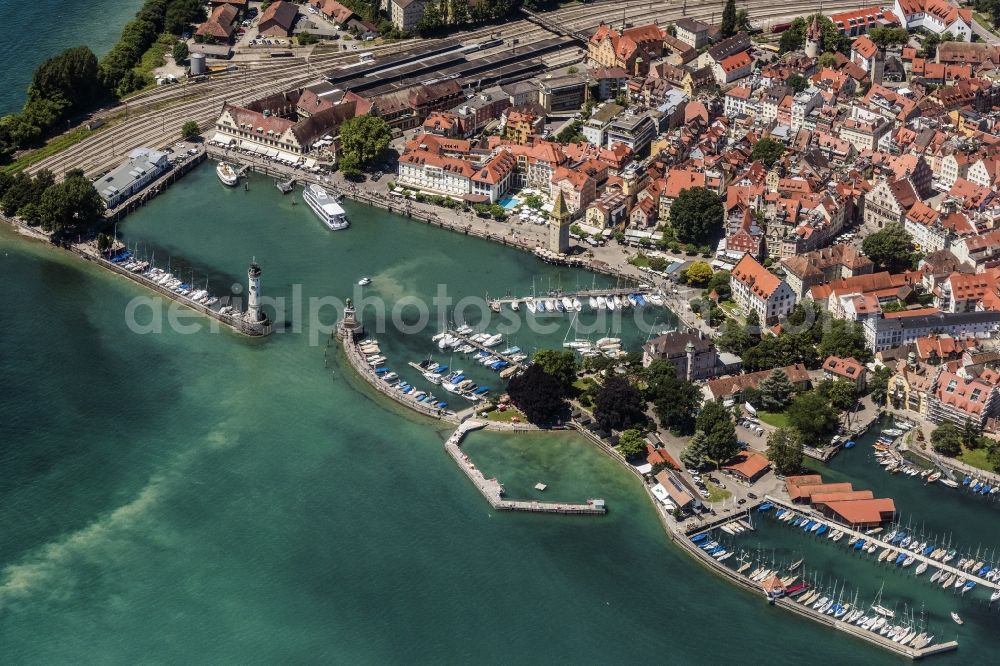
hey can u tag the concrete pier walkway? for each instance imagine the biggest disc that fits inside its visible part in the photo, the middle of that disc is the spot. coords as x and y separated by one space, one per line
493 490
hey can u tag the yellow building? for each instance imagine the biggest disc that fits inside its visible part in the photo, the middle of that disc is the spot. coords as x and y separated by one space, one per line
910 387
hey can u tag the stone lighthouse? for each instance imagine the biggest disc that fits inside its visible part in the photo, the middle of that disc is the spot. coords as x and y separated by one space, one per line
814 38
254 320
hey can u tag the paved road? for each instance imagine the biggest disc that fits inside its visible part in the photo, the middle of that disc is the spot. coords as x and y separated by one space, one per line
984 34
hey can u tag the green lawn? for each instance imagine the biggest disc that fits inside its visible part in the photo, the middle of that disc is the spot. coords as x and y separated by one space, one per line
777 419
715 493
505 416
976 458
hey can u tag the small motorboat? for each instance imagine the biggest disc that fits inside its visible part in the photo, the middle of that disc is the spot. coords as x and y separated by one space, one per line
364 281
956 618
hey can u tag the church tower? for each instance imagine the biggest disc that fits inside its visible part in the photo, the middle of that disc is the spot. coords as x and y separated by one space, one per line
814 38
559 226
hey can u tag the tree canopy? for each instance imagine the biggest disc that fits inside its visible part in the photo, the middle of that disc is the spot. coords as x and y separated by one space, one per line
190 130
784 450
878 384
559 364
735 338
768 151
793 39
698 273
721 442
618 405
180 52
775 391
797 83
727 28
884 37
363 139
695 454
947 439
842 394
538 394
890 247
845 339
719 283
631 444
675 401
813 416
696 215
72 204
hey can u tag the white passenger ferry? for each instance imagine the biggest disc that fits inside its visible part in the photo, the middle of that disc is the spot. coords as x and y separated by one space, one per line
227 173
325 207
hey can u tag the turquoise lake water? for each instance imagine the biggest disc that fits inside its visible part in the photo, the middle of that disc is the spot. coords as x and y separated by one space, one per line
43 28
177 497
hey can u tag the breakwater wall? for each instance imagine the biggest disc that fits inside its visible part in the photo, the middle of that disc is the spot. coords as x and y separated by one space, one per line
365 371
492 490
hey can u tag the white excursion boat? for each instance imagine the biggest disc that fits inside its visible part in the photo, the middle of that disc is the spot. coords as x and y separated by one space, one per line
326 207
227 174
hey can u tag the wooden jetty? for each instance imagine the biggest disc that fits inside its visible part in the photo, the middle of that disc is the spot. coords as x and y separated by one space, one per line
478 345
493 490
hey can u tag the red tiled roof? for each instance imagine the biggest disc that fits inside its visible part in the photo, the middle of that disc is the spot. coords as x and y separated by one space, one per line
865 47
748 464
863 512
847 368
751 273
736 61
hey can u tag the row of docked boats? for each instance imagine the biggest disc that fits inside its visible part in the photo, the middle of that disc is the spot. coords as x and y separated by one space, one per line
606 346
904 550
575 304
877 618
986 487
125 260
460 339
713 548
738 526
453 381
373 356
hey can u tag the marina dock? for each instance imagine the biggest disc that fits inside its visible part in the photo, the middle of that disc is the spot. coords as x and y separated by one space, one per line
357 360
683 538
583 294
493 490
870 538
521 365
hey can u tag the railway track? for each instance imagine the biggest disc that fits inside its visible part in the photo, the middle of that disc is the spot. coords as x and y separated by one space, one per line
155 118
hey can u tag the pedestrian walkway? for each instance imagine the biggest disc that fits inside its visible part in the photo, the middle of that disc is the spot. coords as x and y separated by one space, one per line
493 490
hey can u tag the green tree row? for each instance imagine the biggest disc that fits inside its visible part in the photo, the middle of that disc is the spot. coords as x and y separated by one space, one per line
70 206
73 82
